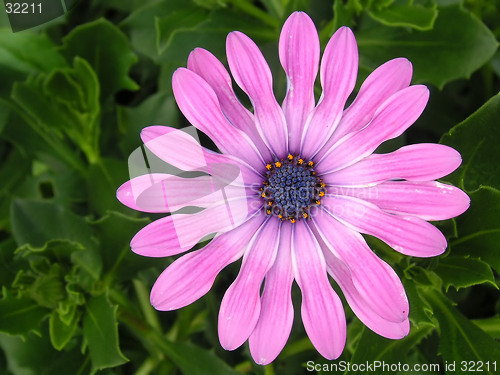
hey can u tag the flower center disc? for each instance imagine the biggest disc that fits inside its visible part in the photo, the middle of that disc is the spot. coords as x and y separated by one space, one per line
291 188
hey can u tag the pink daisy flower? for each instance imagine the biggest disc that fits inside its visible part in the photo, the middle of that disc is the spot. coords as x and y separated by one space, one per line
292 191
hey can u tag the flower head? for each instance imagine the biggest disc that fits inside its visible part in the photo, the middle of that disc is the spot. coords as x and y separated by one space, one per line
292 190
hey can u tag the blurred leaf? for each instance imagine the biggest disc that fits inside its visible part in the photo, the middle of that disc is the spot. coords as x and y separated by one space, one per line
35 356
37 222
19 315
477 141
460 339
64 186
104 178
114 232
13 171
479 228
462 272
373 347
107 50
44 144
4 114
182 20
406 15
211 35
458 45
24 53
490 326
60 331
157 109
207 362
100 328
147 29
66 100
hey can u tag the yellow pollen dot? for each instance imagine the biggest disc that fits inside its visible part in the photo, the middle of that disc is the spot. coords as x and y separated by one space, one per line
280 216
292 221
305 215
270 203
322 184
310 163
290 156
269 166
277 164
300 161
268 212
318 202
263 195
321 194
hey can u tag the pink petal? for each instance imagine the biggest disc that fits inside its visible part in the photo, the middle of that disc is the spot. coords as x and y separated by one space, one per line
240 307
252 74
207 66
177 233
426 200
375 281
342 275
339 68
276 313
199 104
299 55
397 113
322 312
180 149
407 234
128 192
192 275
419 162
158 192
383 82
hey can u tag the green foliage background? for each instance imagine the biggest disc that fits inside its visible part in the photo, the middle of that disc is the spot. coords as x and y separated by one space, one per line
74 94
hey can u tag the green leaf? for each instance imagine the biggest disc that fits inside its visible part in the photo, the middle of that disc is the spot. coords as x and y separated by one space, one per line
100 328
373 347
19 315
148 32
207 362
65 101
34 355
24 53
406 15
104 178
114 232
420 310
157 109
460 339
60 331
47 288
479 228
490 325
476 138
462 272
458 45
107 50
182 20
46 145
38 222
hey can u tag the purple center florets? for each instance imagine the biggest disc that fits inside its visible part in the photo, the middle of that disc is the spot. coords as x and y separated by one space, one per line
291 188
